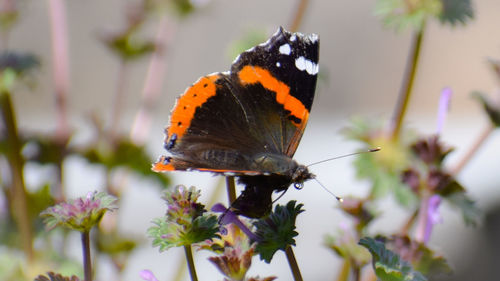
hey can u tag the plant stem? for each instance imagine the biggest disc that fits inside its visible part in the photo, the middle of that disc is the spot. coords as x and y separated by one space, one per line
190 262
118 99
298 15
87 263
293 264
60 67
344 272
406 227
16 163
407 83
473 149
231 189
422 219
153 84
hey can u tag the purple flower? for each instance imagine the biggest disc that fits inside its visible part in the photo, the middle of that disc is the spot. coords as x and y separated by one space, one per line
229 216
147 275
433 216
80 214
444 104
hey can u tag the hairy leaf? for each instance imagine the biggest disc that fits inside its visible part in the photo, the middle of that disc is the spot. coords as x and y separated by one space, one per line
277 231
388 265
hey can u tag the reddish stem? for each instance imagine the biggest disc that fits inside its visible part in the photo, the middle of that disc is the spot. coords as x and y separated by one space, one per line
153 83
473 149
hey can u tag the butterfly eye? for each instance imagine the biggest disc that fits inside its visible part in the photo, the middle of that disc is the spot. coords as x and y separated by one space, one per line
298 185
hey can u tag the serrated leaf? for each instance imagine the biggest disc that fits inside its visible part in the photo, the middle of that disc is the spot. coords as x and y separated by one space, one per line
388 265
277 231
470 212
456 11
168 234
51 276
492 110
419 255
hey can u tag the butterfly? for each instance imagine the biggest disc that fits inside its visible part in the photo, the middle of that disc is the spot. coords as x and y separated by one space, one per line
248 122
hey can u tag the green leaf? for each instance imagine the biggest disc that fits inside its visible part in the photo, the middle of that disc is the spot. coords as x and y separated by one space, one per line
126 154
277 231
38 201
20 63
419 255
128 47
167 234
46 149
456 11
402 15
114 243
492 110
389 266
470 212
249 39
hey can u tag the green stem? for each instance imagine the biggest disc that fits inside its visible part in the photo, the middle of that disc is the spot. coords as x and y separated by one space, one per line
231 189
87 263
190 262
16 163
290 256
298 15
344 272
407 83
406 227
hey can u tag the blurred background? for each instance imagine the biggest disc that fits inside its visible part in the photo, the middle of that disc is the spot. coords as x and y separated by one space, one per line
361 67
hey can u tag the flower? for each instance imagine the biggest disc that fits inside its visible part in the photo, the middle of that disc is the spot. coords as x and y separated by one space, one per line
433 216
80 214
444 104
147 275
430 150
236 259
229 216
186 221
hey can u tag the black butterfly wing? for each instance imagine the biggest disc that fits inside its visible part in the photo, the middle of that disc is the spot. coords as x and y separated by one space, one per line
233 122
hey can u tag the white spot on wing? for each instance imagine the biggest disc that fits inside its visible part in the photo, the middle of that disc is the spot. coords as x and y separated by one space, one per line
278 64
285 49
313 38
293 37
304 64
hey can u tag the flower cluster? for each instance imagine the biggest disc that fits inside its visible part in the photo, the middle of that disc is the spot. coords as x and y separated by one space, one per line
80 214
186 221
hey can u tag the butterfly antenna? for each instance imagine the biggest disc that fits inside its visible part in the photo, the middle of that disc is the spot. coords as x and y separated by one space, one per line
346 155
327 190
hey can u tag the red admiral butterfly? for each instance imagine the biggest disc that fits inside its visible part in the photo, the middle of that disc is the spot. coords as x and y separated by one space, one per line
248 122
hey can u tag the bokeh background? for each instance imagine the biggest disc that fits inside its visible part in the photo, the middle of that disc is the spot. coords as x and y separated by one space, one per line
361 66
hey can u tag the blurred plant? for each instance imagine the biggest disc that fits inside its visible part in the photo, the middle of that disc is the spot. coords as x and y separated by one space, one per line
410 166
185 223
51 276
81 215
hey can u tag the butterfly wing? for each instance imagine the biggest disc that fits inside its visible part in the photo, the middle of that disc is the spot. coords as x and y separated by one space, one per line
233 122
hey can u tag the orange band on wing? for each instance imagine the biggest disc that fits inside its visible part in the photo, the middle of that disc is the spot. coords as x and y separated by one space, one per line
163 165
186 105
254 74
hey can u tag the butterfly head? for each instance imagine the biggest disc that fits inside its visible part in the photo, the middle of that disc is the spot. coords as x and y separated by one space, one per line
300 175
